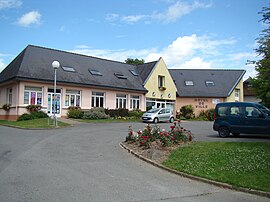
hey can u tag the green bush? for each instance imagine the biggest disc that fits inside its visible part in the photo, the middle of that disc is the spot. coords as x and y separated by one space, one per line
75 113
187 111
210 114
117 112
38 115
135 113
95 113
25 117
32 108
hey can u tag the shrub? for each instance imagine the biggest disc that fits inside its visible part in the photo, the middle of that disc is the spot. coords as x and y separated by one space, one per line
32 108
210 114
38 115
187 111
95 113
75 113
135 113
25 117
6 107
117 112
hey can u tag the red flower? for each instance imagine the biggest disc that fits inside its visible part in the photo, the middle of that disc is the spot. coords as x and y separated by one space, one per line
139 132
190 138
174 123
179 121
172 127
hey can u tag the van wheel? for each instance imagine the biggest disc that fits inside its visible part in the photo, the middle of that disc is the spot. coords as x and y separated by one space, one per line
155 120
236 134
171 119
223 132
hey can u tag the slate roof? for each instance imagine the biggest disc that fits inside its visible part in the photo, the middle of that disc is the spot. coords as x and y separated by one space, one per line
35 63
145 69
224 82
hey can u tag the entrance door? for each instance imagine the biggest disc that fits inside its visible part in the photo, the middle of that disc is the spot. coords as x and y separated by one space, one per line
54 107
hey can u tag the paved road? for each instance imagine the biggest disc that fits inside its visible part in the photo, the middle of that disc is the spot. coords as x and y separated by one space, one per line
85 163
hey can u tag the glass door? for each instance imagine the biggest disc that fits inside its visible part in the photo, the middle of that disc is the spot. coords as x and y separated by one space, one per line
54 104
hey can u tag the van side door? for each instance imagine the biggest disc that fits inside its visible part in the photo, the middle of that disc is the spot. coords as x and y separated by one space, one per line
255 121
236 119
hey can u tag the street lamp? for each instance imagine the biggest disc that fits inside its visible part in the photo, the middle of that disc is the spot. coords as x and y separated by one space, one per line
55 66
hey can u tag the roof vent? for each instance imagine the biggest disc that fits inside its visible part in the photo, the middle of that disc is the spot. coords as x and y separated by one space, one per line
68 69
189 83
134 72
209 83
120 76
95 72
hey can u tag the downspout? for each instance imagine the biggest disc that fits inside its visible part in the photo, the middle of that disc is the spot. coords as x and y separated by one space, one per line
18 98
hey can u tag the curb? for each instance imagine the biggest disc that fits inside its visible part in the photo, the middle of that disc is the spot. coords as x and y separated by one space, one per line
219 184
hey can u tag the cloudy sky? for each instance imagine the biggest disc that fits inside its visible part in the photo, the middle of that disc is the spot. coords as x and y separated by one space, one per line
218 34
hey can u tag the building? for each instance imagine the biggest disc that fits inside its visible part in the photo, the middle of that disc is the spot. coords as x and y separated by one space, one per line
249 92
82 81
204 88
87 82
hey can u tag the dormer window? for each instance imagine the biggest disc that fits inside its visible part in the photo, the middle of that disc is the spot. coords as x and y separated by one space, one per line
120 76
68 69
209 83
95 72
189 83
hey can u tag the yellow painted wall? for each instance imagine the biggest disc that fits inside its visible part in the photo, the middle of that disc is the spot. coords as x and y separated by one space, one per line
151 83
239 86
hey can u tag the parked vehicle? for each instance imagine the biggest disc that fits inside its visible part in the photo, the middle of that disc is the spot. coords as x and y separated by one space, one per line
158 115
241 117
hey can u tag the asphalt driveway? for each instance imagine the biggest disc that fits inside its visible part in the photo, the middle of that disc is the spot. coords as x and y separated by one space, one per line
85 163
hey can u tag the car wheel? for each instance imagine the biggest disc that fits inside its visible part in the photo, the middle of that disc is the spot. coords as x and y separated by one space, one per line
236 134
171 119
155 120
223 132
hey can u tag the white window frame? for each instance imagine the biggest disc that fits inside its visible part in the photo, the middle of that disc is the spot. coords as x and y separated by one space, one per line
121 101
96 96
75 95
134 102
9 96
33 90
237 94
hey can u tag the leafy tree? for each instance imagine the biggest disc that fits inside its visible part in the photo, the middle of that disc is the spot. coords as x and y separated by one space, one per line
134 61
261 82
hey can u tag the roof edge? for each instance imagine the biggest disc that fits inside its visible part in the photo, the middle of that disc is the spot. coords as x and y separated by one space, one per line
236 83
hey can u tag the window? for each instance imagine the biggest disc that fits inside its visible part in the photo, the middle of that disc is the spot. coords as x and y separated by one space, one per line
9 96
235 111
252 112
68 69
161 81
237 94
209 83
73 98
134 72
98 99
32 95
134 102
121 101
95 72
189 83
222 111
120 76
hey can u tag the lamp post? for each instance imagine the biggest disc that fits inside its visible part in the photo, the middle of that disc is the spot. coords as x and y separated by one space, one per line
55 66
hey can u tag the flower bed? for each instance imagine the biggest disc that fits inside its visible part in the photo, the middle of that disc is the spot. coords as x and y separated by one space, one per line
156 143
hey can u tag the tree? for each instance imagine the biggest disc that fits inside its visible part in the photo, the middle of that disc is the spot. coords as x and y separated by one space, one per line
134 61
261 82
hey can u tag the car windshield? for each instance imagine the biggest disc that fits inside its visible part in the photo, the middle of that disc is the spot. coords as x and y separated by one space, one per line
153 110
264 109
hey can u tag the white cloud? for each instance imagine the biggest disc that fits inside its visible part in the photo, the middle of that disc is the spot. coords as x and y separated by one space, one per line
10 4
177 10
30 18
171 14
241 56
196 63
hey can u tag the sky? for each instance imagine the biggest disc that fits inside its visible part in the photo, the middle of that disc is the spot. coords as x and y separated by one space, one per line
187 34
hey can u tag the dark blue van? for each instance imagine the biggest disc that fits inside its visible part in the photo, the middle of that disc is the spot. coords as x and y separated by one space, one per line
241 117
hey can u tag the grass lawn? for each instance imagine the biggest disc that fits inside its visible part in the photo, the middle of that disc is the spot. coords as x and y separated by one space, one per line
241 164
35 123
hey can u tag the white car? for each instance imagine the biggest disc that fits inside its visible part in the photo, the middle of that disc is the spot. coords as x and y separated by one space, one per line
158 115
